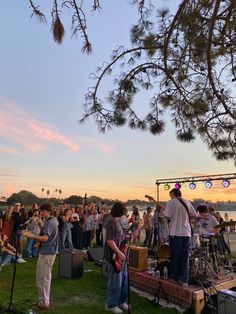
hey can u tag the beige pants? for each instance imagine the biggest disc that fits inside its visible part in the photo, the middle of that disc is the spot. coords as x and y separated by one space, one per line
43 278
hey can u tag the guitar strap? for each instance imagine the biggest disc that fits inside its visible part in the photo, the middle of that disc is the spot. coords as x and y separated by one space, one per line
186 207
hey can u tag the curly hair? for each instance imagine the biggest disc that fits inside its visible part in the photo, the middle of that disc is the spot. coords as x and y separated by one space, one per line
118 209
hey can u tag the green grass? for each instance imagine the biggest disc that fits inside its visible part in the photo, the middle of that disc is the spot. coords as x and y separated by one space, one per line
85 295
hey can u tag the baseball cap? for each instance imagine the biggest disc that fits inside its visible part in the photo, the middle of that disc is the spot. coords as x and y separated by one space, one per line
17 204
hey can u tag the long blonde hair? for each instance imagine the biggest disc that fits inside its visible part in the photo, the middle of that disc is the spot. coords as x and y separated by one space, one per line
8 213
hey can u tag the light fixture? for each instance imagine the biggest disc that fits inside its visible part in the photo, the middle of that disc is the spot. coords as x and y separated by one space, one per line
177 185
192 185
166 186
225 183
208 184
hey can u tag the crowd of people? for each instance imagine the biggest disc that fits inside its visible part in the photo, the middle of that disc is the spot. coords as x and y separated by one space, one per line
50 230
81 227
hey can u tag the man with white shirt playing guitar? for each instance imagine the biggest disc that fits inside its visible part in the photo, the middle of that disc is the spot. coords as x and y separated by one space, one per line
180 212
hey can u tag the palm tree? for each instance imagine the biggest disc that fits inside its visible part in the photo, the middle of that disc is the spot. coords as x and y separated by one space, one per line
42 190
60 191
56 192
48 192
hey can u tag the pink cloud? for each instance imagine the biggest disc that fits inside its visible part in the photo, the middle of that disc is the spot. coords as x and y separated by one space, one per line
100 146
29 134
8 150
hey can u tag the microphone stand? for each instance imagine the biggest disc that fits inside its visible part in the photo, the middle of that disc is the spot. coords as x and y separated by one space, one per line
11 308
230 255
128 277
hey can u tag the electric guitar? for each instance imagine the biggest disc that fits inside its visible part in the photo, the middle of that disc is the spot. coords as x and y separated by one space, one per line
151 199
124 246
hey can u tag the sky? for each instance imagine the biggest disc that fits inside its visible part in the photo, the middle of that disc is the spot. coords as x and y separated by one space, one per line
42 88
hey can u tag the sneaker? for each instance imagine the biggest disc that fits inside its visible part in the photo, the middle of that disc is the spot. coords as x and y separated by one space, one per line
114 309
42 307
21 260
124 306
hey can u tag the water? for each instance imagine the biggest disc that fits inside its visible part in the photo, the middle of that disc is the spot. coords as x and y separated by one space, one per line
231 213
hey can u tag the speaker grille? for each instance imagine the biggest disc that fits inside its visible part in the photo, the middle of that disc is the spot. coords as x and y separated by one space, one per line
138 258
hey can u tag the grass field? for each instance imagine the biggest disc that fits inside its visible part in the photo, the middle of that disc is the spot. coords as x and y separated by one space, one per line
85 295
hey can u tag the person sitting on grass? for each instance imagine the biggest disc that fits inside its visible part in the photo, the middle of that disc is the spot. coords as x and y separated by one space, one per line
8 253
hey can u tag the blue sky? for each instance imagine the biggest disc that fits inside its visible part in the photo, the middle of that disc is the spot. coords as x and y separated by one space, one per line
42 87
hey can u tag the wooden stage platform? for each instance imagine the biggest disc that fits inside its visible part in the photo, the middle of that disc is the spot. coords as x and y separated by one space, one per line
185 297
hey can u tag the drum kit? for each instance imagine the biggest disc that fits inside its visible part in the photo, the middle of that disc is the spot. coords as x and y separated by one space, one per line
206 258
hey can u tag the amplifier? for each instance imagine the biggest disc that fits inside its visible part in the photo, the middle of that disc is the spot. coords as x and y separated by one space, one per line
226 302
138 258
71 264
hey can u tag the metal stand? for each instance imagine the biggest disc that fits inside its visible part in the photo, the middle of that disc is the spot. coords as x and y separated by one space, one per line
11 308
160 291
128 277
230 255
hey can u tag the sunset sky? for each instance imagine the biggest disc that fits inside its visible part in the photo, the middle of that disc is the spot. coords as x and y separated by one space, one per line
42 88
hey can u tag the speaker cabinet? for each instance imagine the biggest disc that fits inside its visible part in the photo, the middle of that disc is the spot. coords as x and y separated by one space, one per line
95 254
226 302
71 264
138 258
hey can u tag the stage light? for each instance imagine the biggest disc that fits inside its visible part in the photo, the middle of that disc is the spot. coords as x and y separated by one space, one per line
208 184
225 183
177 185
192 185
166 186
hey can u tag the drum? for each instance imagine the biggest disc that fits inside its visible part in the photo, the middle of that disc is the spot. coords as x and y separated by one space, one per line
214 240
207 240
163 258
163 253
196 240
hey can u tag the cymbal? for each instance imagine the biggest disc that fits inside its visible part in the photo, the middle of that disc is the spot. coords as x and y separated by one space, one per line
225 224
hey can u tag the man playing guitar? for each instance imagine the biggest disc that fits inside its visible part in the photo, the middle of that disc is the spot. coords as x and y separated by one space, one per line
117 283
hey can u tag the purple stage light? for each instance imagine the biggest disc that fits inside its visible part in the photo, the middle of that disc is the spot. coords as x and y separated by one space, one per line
177 185
192 185
225 183
208 184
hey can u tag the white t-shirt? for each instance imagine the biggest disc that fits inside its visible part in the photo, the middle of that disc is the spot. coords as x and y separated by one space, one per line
89 223
179 219
206 225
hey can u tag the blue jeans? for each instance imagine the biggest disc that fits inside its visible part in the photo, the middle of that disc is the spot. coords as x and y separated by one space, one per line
148 238
179 258
66 237
7 259
30 249
117 286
